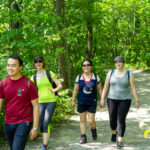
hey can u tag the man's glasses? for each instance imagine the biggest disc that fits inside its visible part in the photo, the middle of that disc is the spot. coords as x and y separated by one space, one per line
38 61
84 65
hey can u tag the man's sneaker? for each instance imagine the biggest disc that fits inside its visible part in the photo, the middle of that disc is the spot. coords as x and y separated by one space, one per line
113 137
83 139
94 134
119 145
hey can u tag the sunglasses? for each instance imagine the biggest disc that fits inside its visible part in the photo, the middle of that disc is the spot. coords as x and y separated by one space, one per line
38 61
86 65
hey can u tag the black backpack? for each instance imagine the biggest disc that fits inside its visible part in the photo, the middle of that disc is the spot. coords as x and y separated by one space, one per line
49 78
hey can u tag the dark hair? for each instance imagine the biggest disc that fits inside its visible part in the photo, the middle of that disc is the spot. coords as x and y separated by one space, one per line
17 58
88 61
39 58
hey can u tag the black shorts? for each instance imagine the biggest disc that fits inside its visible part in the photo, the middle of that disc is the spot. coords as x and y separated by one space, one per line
89 108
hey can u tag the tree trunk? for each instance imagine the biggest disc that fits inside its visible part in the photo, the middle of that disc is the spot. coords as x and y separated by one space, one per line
13 5
116 36
89 40
67 53
68 64
89 25
61 56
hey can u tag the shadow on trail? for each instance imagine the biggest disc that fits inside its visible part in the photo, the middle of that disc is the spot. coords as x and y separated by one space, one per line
67 136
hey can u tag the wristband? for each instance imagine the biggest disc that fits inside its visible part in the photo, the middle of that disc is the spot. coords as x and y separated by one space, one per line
35 129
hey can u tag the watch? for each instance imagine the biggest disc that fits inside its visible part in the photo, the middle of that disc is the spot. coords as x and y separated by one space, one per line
35 129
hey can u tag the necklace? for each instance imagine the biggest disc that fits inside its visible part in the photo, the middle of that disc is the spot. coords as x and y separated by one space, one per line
41 74
87 79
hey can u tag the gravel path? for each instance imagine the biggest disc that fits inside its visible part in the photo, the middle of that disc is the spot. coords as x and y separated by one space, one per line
66 136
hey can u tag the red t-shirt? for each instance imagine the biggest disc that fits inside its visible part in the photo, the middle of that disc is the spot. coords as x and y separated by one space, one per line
18 95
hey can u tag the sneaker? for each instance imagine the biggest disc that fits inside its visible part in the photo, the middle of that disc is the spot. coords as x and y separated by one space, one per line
43 148
94 134
113 137
119 145
83 139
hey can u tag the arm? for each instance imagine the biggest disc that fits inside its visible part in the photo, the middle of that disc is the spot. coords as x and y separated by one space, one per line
33 132
1 102
58 83
75 91
133 89
99 86
104 92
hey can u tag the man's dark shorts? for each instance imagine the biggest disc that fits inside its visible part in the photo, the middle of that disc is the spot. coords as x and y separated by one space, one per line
81 108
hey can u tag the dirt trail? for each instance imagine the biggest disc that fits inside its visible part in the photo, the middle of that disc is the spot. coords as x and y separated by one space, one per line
66 136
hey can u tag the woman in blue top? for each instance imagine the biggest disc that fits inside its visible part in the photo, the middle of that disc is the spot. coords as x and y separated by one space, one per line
118 83
87 85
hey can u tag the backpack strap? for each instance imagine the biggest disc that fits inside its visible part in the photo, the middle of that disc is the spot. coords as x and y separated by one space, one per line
49 76
128 72
34 78
112 71
95 77
3 83
28 83
79 76
50 80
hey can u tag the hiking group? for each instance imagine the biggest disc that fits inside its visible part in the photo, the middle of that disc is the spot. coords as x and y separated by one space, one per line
30 104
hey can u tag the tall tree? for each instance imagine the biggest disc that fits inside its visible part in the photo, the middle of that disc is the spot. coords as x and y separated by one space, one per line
14 24
60 46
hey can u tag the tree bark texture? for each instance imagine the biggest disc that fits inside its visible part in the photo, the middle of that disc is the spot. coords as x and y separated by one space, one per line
61 56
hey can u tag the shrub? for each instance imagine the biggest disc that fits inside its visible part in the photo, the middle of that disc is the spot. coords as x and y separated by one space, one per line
63 108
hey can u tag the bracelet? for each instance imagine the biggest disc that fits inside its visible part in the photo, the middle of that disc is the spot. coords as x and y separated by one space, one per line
35 129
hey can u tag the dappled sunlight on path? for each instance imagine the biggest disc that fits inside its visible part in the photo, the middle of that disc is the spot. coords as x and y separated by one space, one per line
99 116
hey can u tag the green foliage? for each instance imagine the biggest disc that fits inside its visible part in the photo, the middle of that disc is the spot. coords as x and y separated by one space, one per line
117 27
2 126
63 108
3 62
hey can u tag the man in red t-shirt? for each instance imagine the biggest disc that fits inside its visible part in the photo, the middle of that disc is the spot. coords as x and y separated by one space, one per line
21 105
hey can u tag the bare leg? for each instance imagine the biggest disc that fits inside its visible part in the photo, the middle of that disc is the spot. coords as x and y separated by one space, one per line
91 120
83 122
46 137
114 131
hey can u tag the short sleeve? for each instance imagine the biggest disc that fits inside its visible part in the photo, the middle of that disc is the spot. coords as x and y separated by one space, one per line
33 91
32 78
1 90
77 80
98 80
52 74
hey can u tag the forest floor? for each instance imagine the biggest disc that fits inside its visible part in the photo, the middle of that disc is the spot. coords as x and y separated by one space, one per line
66 135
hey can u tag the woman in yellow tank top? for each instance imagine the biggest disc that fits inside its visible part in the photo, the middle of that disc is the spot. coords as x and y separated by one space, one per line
47 98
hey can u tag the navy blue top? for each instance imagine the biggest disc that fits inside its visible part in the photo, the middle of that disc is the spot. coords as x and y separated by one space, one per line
87 89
